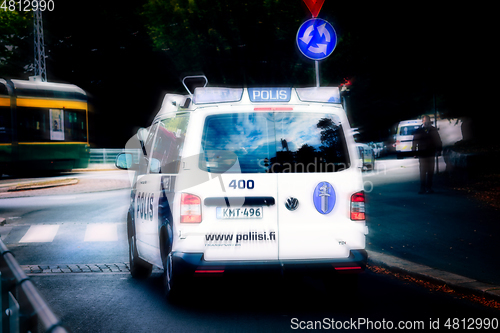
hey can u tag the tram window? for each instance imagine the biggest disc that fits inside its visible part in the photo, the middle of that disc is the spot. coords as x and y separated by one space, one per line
5 131
75 126
5 125
32 125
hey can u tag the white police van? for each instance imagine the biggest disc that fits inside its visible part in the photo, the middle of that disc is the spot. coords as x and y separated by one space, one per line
231 178
403 140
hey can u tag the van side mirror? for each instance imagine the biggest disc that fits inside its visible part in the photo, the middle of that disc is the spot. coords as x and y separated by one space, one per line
124 161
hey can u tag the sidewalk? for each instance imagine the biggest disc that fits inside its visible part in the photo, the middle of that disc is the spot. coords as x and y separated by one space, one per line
62 185
456 282
447 237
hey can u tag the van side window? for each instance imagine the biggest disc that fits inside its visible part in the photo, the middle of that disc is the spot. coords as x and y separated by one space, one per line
144 159
408 130
169 141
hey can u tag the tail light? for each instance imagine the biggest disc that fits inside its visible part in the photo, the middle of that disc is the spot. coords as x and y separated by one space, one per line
358 206
398 142
190 208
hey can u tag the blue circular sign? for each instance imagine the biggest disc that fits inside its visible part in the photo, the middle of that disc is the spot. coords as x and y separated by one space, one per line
316 39
324 197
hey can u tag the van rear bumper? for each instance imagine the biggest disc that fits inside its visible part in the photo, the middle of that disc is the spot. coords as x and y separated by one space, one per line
194 262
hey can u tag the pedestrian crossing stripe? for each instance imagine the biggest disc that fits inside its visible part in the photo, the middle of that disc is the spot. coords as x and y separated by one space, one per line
46 233
101 233
40 234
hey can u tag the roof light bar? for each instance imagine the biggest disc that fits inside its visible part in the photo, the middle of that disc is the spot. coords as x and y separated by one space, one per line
270 94
319 94
217 95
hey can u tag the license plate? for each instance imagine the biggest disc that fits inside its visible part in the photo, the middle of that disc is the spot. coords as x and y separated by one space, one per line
239 213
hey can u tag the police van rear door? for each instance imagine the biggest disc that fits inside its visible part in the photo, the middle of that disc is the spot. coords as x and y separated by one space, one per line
239 201
315 184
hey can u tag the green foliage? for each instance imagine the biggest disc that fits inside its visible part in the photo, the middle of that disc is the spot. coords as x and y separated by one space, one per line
398 59
230 41
16 49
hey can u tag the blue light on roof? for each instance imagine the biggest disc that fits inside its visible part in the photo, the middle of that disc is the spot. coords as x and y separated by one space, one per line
217 95
319 94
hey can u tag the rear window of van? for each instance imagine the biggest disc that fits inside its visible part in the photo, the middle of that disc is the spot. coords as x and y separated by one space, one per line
408 130
267 142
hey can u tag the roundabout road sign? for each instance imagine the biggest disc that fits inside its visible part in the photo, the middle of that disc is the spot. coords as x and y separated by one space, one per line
316 39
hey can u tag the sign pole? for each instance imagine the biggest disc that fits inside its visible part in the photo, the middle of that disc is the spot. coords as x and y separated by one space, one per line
316 38
316 65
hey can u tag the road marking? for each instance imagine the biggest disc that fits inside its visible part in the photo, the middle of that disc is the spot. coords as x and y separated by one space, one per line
40 234
62 197
94 232
101 233
4 232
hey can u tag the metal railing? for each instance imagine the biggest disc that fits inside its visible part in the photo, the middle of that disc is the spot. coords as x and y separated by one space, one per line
22 308
108 155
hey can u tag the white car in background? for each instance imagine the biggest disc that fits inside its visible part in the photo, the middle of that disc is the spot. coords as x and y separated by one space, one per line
366 156
404 136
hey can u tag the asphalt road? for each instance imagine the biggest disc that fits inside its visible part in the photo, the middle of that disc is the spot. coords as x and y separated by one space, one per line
71 219
114 302
88 230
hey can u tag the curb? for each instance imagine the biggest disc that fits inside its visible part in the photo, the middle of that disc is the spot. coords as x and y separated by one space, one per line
15 184
457 282
43 184
51 182
114 268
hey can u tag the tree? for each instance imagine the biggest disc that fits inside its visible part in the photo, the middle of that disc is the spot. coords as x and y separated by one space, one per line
232 42
16 45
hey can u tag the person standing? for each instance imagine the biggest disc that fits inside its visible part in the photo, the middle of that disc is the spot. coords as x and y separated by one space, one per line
426 145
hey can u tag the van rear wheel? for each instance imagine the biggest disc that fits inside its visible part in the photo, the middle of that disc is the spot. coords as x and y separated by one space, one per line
139 269
171 278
